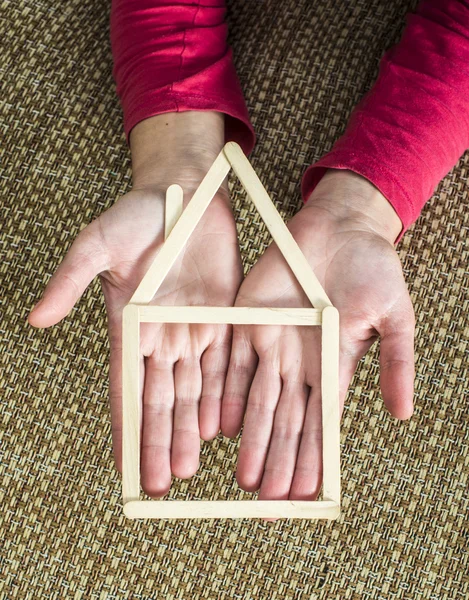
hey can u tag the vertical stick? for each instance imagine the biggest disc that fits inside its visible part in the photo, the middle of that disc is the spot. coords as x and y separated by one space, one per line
130 404
330 404
172 208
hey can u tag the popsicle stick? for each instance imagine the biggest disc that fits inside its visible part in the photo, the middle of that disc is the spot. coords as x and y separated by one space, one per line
172 208
130 404
182 231
274 222
330 404
231 509
239 315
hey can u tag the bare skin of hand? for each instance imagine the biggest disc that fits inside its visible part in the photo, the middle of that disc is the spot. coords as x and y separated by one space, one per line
183 366
346 231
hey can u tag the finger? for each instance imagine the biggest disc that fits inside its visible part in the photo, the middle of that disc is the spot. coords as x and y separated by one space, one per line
262 403
158 405
185 448
241 370
397 366
85 259
286 436
214 366
307 478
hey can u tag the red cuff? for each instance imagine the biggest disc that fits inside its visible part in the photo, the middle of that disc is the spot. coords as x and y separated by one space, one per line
173 57
198 92
413 126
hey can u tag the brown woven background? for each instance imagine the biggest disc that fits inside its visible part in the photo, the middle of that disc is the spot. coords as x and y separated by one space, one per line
403 532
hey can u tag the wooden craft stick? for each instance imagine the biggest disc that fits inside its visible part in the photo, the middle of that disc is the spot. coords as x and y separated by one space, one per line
239 315
231 509
182 230
274 222
330 404
130 404
172 208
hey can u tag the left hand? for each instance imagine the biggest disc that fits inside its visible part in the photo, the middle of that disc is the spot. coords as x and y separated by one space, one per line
346 231
182 367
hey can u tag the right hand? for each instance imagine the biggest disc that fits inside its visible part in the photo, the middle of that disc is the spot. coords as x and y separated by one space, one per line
183 366
346 232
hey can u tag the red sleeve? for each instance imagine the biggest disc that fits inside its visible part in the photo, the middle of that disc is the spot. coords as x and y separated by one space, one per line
413 126
172 56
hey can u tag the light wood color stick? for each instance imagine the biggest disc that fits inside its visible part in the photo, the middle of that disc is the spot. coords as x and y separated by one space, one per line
330 404
238 315
274 222
182 230
131 371
230 509
130 404
172 208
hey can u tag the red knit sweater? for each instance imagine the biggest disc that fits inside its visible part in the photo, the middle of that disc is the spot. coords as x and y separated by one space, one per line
404 136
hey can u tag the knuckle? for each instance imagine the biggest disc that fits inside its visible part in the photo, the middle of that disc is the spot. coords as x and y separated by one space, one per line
213 374
210 397
290 433
187 400
233 399
261 407
239 370
390 363
159 409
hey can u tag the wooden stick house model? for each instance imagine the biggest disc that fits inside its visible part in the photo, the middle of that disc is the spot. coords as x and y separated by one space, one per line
179 226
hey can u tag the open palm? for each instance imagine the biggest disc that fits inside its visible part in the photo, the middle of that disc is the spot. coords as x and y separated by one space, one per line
184 366
274 375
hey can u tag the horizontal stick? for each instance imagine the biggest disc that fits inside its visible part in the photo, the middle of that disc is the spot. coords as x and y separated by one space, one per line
238 315
231 509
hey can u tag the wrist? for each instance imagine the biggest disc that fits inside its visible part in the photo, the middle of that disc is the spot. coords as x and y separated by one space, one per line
350 197
175 147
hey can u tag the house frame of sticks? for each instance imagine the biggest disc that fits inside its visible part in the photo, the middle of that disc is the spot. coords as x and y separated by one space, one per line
179 226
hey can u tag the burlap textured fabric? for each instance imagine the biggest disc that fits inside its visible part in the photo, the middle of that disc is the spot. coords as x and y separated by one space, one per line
403 532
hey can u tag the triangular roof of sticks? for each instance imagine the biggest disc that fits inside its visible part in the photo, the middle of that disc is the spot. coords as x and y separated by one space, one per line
231 157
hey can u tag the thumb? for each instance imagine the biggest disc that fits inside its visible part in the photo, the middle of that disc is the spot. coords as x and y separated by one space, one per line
86 258
397 368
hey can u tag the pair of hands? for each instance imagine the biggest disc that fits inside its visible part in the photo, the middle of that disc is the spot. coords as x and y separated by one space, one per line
198 379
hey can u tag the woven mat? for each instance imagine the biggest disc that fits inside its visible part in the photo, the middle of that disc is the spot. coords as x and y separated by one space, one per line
403 532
